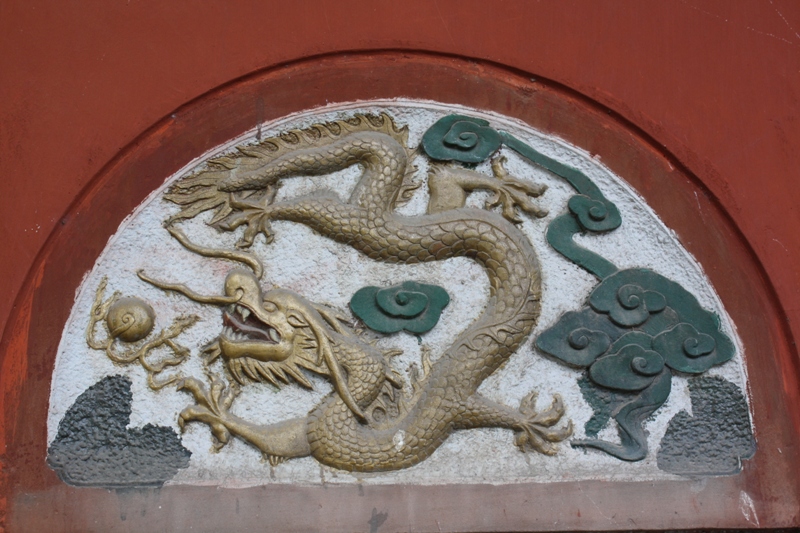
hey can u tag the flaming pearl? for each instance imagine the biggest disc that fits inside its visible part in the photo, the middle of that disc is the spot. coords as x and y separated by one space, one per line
130 319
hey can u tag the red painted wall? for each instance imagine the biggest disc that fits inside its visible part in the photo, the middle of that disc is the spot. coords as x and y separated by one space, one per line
715 82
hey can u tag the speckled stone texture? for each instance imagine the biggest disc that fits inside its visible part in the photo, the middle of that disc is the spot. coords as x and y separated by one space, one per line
715 438
95 448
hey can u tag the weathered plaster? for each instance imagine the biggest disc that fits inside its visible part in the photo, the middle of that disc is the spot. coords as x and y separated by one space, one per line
324 271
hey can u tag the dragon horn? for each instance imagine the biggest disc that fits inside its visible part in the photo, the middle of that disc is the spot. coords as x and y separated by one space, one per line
243 257
189 293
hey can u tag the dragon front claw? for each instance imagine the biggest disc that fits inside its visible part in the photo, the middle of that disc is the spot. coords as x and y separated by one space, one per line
538 433
512 193
254 215
211 407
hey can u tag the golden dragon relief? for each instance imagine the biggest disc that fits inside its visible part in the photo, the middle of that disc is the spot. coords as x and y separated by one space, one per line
372 421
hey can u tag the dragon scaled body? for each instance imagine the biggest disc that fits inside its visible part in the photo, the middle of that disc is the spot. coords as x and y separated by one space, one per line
270 336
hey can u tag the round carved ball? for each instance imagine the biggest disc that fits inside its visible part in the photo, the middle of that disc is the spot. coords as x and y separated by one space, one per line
130 319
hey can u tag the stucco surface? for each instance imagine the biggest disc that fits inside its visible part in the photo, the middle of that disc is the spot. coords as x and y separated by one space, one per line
327 272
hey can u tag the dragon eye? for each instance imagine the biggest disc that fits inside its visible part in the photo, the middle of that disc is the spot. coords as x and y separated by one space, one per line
269 306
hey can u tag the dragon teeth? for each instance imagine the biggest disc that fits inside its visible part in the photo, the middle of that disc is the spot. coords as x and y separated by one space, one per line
242 310
234 335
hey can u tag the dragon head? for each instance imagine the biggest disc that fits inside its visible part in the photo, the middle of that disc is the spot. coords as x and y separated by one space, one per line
256 327
271 336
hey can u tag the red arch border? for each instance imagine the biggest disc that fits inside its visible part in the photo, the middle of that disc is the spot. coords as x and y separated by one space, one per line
34 498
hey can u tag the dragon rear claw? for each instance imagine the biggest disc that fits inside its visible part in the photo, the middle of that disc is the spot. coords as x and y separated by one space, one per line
537 432
274 460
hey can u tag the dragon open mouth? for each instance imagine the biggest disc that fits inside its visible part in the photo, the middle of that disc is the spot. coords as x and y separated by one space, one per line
240 324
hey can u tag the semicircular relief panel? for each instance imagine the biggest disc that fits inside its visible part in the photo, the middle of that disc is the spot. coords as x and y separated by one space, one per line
395 292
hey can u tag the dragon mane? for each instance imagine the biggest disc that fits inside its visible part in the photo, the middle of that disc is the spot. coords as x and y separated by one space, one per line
198 192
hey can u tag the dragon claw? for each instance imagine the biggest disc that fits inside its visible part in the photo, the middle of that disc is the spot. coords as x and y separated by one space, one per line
537 432
512 193
274 460
221 435
254 215
211 407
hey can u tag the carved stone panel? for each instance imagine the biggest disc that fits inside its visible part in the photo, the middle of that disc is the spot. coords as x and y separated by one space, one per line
396 292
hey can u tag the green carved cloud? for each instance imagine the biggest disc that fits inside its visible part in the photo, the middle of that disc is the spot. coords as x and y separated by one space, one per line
410 306
460 138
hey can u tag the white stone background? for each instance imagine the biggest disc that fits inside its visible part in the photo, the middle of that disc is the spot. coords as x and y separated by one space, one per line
327 272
